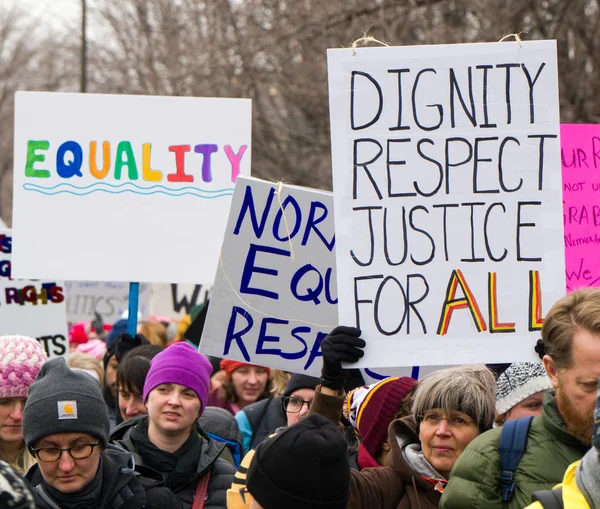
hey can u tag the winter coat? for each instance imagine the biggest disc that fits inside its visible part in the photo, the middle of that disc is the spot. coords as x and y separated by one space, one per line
258 420
221 426
475 478
122 486
398 486
209 461
215 398
571 495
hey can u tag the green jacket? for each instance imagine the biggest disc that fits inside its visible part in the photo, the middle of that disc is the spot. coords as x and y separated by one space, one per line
475 478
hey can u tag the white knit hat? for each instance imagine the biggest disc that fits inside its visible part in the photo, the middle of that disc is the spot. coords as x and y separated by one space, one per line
518 382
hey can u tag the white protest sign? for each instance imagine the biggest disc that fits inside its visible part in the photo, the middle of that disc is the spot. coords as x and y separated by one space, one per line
2 224
32 308
447 190
125 188
177 300
274 299
109 299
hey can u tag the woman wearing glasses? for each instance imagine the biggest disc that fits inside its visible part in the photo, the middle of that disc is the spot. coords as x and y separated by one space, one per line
259 420
66 426
451 407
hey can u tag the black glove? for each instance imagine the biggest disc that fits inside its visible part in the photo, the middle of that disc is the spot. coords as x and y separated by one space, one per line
343 344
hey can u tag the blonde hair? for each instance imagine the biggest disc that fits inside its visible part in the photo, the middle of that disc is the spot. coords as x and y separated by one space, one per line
468 389
280 380
155 333
80 360
578 310
23 462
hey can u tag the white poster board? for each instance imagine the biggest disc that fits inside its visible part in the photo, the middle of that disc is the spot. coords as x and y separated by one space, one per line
274 298
177 300
109 299
125 188
32 308
447 190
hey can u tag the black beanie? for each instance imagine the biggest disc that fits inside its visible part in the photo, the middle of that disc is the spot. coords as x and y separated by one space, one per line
304 467
62 400
300 382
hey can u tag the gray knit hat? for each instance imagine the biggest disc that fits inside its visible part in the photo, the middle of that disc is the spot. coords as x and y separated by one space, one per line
518 382
64 401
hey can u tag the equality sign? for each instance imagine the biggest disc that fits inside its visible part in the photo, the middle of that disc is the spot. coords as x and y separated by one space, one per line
580 156
125 188
447 191
274 298
109 299
32 308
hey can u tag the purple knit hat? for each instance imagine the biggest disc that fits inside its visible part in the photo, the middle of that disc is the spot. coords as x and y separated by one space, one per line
20 361
180 364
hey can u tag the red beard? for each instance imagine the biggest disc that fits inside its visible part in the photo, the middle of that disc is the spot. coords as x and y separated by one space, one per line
581 427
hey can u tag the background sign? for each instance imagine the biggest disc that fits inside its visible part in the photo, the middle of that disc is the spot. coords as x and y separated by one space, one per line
447 191
580 144
32 308
125 188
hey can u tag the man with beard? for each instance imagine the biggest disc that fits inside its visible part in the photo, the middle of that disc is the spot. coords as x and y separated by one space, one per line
558 437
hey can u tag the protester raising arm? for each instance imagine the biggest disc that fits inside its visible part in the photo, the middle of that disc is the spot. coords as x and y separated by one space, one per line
451 407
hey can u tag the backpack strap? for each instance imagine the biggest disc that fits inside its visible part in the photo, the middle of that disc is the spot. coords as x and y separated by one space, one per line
550 499
201 491
513 440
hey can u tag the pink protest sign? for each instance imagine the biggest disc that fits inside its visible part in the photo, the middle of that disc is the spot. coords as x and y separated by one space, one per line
580 151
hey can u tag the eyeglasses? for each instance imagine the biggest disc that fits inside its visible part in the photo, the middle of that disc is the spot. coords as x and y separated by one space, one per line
294 405
456 422
77 452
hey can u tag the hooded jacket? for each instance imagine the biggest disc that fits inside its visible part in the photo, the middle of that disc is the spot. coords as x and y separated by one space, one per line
398 486
122 485
475 480
208 461
571 494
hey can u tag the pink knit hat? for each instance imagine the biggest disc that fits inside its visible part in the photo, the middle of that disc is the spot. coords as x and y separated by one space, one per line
20 361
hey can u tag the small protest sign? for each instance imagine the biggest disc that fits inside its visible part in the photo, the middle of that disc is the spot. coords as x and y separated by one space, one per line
447 191
125 188
274 298
580 156
177 300
108 299
32 308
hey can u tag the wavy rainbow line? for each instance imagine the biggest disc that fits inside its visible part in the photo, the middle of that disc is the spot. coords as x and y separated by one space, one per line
127 187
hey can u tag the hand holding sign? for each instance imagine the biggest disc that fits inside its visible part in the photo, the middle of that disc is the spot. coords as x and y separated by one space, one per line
343 344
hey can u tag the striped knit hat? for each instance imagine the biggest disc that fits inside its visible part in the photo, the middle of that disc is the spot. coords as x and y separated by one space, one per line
518 382
371 409
20 361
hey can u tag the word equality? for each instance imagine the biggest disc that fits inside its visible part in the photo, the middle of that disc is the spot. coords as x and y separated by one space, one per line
69 161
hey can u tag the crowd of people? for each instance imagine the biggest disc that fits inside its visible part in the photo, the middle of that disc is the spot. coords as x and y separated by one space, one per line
149 422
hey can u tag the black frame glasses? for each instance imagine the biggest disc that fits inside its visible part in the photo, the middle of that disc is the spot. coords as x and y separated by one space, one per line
51 454
286 401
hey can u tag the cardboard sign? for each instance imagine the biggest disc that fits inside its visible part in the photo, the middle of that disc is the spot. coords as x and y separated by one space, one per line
32 308
125 188
580 156
110 300
447 191
274 298
177 300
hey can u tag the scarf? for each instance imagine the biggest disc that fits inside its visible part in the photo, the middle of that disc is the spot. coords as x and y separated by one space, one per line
179 468
90 497
586 478
413 455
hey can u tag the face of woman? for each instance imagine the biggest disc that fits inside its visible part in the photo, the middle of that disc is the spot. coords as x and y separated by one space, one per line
444 437
173 408
249 383
11 414
130 403
530 406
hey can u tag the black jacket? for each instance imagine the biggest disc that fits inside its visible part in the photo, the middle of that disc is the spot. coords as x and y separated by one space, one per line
221 471
122 486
